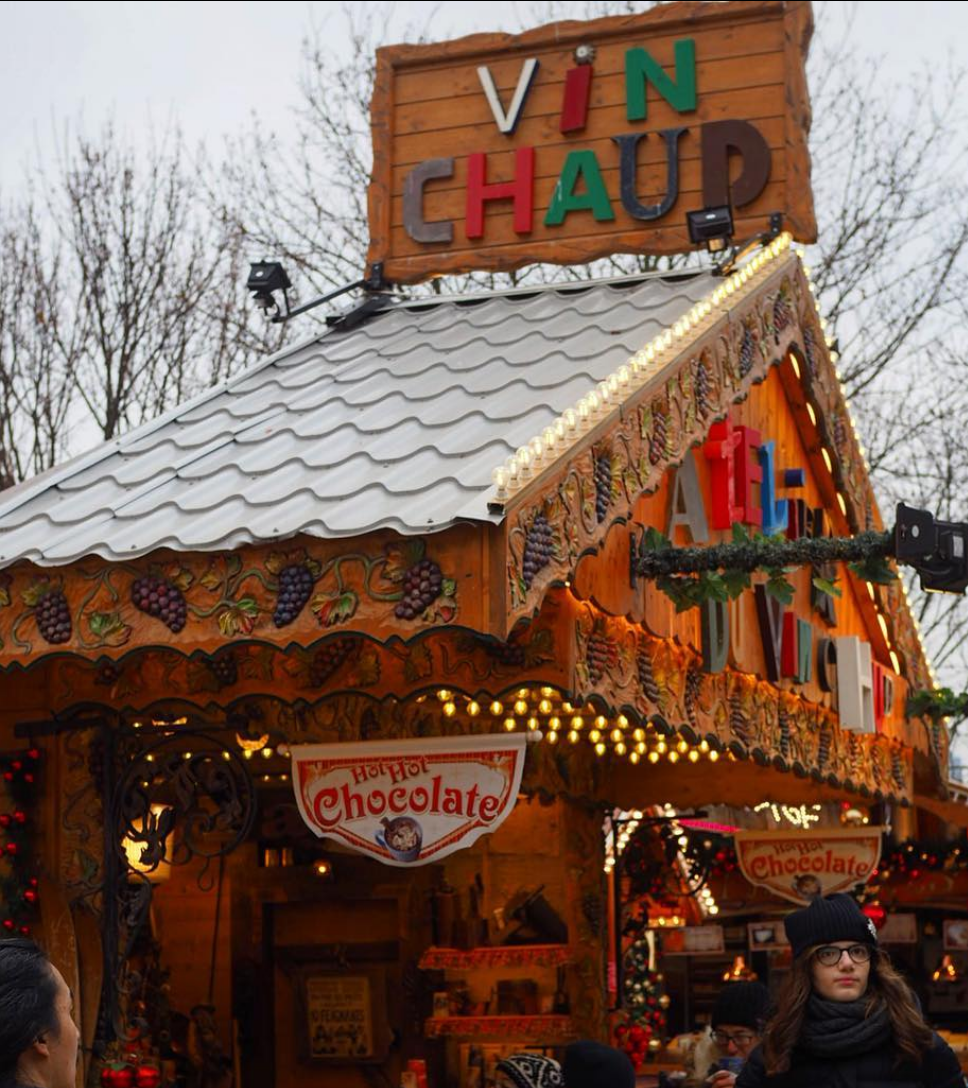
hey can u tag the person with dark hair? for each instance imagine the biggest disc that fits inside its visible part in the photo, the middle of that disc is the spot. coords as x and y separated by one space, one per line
528 1071
735 1027
38 1036
587 1064
845 1016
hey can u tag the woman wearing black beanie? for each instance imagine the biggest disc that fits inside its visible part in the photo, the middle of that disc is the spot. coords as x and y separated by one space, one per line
845 1016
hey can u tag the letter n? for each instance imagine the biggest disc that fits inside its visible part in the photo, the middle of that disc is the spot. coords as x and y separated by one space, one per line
641 69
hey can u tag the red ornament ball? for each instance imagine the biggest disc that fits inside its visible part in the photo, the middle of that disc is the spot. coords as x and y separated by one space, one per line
876 913
20 816
5 819
25 930
33 753
8 923
28 777
30 896
11 849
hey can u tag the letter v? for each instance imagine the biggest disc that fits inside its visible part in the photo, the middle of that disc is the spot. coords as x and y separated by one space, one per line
506 122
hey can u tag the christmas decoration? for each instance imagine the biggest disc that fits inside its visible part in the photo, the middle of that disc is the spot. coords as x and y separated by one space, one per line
690 576
18 888
644 1002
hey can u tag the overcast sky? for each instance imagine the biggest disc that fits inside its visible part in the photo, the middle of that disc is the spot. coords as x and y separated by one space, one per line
211 66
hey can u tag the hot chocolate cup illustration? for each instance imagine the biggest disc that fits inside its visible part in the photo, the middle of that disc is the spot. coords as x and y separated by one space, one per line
402 837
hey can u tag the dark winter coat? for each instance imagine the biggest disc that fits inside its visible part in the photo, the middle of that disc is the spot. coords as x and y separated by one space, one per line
874 1069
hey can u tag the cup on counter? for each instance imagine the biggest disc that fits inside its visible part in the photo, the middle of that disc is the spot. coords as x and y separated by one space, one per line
731 1064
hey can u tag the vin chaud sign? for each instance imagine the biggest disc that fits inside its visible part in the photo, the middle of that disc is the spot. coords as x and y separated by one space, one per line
583 139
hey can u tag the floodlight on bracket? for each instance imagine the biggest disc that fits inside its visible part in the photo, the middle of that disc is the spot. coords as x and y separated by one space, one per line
267 278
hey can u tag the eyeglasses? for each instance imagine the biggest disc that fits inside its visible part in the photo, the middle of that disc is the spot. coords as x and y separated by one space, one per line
829 955
741 1038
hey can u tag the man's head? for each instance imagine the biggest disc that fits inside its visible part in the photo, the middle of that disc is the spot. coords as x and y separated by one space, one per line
38 1036
738 1017
591 1065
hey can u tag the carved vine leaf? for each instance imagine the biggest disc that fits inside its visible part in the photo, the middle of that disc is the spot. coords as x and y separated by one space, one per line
35 591
5 580
368 668
211 580
278 561
401 557
239 618
108 628
419 664
200 677
330 611
180 577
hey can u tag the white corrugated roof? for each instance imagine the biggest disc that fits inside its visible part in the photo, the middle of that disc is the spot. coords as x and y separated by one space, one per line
396 423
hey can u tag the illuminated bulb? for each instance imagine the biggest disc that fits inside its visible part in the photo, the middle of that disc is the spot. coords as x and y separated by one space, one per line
682 747
704 746
827 461
634 757
567 708
641 747
584 412
552 738
638 734
883 625
601 721
622 721
473 709
450 710
574 737
554 723
895 661
247 753
550 438
577 722
523 458
510 724
870 591
570 418
624 376
497 709
536 447
662 747
683 841
225 755
444 695
546 706
673 757
187 755
520 707
599 749
650 354
620 749
842 503
616 736
266 753
594 736
533 724
594 402
499 477
812 414
795 365
694 756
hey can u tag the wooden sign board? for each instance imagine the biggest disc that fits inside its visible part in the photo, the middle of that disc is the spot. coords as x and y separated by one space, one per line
583 139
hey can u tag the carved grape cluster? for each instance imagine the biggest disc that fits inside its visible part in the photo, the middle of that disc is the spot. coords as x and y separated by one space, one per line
329 657
603 485
538 549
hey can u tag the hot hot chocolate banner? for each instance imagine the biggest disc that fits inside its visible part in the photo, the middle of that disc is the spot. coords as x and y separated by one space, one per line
409 802
799 865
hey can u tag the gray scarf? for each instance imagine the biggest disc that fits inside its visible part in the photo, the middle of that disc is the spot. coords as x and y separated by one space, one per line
838 1029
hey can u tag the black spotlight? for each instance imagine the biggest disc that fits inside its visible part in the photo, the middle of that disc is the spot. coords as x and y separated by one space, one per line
711 227
938 550
265 277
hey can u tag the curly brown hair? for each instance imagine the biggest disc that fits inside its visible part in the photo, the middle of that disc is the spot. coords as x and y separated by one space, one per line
885 987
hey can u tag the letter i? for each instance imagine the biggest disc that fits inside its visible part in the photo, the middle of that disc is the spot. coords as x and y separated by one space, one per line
578 84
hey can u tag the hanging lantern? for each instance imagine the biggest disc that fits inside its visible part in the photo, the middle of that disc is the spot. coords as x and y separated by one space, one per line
947 971
739 972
